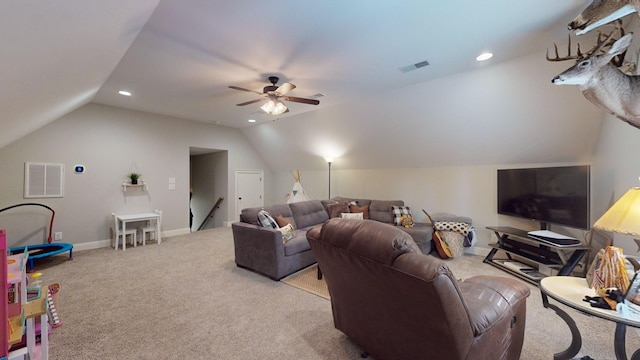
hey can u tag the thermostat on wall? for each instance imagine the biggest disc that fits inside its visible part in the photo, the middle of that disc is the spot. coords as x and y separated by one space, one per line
78 169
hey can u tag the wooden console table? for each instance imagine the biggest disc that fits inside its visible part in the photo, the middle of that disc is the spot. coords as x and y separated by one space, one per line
516 244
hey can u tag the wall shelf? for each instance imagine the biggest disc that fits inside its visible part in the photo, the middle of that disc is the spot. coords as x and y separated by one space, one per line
140 185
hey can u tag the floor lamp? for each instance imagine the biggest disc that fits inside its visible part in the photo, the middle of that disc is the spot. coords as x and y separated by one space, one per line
329 161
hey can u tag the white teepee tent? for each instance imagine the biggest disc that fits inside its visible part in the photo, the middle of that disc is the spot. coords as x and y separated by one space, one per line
297 193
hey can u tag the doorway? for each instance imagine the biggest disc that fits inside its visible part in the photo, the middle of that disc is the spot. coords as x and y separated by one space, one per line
208 175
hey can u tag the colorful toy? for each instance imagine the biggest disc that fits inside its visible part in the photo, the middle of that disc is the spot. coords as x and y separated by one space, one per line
40 251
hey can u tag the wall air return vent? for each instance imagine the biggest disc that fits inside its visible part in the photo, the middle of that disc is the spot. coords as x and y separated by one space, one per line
43 180
415 66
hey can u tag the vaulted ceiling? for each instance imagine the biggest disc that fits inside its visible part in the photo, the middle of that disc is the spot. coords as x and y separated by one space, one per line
178 58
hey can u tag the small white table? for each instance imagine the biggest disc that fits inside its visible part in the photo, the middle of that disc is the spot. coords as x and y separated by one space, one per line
570 291
128 218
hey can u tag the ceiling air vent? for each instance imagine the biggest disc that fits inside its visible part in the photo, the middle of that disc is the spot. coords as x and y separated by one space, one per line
415 66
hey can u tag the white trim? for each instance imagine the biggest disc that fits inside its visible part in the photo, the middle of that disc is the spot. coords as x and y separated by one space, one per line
107 243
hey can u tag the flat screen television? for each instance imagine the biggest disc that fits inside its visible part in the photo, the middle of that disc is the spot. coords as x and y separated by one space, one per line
550 195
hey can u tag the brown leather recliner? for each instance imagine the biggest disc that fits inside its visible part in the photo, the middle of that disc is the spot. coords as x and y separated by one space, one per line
397 303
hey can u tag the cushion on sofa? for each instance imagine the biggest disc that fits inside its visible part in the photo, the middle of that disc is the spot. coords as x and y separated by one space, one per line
398 212
287 233
360 209
308 213
352 216
283 221
250 215
380 210
442 216
335 210
266 220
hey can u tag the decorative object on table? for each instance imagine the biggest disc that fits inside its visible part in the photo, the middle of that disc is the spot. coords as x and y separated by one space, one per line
629 307
623 218
611 273
134 176
297 193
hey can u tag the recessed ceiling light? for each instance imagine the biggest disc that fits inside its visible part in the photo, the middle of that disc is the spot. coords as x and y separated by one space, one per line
484 56
251 120
124 92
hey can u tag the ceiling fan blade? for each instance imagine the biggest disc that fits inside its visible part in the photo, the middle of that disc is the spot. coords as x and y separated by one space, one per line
285 88
250 102
301 100
243 89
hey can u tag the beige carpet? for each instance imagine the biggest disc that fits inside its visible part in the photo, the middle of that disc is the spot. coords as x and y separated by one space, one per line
186 299
307 280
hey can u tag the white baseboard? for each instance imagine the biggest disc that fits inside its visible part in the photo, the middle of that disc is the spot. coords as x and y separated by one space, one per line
92 245
107 243
176 232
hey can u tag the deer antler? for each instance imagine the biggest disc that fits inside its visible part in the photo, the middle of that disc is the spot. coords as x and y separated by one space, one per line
602 42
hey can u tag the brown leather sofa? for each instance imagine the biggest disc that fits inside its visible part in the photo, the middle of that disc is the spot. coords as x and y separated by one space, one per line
398 303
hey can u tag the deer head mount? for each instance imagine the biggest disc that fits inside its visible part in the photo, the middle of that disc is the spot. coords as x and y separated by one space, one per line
601 12
603 44
601 81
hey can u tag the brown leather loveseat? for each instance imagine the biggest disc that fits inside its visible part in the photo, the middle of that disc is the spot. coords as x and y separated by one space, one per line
398 303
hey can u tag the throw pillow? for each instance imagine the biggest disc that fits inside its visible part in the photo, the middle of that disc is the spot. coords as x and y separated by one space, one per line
335 210
266 220
360 209
287 233
459 227
407 221
398 211
353 216
282 221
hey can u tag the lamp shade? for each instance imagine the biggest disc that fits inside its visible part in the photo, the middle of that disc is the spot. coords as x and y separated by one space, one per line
274 107
624 216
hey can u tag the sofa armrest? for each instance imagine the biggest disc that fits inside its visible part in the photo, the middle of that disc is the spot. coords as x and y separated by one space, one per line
257 237
258 248
502 292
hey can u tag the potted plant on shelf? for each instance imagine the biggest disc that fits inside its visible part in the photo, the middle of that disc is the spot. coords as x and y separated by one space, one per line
134 178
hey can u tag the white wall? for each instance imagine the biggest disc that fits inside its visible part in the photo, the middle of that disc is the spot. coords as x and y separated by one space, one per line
617 165
468 191
112 142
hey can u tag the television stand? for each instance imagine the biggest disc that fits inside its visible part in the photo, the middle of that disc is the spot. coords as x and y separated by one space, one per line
525 256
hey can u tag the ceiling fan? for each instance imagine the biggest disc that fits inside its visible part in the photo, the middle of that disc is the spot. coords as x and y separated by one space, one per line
274 95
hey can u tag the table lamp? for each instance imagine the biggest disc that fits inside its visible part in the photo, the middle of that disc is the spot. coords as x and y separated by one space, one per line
624 216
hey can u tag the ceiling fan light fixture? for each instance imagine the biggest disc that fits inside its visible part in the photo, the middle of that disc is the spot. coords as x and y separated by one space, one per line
274 107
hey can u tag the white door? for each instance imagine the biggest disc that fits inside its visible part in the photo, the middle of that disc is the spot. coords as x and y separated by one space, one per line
249 189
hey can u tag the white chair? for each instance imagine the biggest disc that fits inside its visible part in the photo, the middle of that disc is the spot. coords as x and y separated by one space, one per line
152 228
117 231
